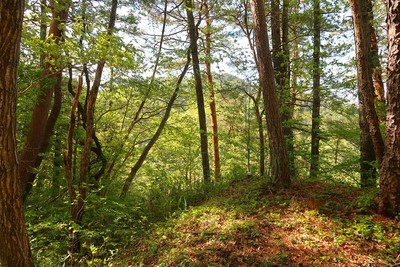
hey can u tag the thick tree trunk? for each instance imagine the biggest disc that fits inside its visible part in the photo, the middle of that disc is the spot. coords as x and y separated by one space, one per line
14 243
362 39
280 58
42 125
278 157
369 78
316 118
390 167
193 36
210 84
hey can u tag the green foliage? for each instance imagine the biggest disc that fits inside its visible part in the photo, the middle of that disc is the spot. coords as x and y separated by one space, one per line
48 227
168 187
222 232
368 200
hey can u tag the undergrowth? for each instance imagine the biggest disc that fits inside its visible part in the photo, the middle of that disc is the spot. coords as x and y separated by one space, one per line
247 224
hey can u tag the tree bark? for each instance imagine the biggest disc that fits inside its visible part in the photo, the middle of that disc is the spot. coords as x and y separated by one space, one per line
42 124
376 65
278 156
14 242
390 167
362 26
316 117
193 36
280 58
364 75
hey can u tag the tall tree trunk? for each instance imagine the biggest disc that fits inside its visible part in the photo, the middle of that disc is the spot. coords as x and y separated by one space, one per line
280 58
364 77
316 118
368 171
365 86
42 124
210 84
370 85
78 203
14 242
390 167
193 36
289 100
278 156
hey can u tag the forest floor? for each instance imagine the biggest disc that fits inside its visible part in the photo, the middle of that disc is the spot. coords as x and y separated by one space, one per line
311 224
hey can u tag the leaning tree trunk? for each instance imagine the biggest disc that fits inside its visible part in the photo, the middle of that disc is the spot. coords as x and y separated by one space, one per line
278 157
193 36
14 243
158 132
390 167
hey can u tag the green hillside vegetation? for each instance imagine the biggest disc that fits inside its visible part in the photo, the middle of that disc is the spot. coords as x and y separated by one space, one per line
312 224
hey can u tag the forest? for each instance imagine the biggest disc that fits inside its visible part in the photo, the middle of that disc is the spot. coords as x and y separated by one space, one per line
199 133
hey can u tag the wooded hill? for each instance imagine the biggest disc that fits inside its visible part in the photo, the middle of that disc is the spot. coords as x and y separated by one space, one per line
117 114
